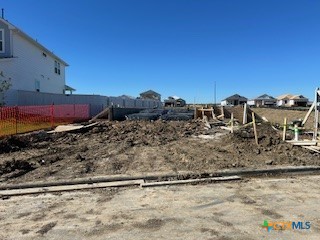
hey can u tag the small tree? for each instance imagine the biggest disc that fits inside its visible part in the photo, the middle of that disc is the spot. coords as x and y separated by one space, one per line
4 86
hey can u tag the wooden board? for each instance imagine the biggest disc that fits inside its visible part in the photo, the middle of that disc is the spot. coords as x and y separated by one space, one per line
302 143
214 179
312 148
37 190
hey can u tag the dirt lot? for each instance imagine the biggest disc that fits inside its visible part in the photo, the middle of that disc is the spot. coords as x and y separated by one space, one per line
143 147
223 211
232 210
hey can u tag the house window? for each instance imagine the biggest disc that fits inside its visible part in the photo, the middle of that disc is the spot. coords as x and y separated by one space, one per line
57 67
1 40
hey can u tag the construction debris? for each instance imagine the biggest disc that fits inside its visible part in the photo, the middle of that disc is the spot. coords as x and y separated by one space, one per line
72 127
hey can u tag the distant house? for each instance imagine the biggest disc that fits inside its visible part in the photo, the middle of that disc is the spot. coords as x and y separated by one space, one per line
174 101
124 96
289 100
263 100
234 100
27 64
150 94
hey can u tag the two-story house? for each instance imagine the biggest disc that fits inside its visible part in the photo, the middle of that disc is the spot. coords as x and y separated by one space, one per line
27 64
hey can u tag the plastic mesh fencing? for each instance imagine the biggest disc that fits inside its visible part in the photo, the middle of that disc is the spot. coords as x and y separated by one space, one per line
22 119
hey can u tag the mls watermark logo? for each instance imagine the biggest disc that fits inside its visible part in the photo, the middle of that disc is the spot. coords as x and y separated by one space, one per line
285 225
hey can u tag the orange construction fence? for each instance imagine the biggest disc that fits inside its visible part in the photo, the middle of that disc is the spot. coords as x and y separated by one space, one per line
21 119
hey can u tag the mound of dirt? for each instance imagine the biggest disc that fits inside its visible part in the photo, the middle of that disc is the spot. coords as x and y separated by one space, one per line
137 133
267 136
11 144
15 168
139 147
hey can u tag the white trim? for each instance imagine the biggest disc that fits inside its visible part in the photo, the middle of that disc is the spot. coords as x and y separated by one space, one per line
3 42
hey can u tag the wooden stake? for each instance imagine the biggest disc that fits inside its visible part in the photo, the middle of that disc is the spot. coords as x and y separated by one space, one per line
244 114
284 129
222 111
255 128
231 122
308 113
212 112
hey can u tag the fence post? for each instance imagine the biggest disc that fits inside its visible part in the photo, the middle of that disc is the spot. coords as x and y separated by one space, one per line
74 112
16 118
51 113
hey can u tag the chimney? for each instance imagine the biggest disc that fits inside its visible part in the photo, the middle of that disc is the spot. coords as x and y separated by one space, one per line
2 13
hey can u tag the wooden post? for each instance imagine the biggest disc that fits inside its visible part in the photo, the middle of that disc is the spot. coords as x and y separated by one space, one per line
284 129
212 112
202 113
51 115
244 114
222 111
232 122
255 128
16 110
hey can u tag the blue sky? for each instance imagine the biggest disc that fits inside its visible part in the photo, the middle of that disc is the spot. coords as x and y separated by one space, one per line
179 47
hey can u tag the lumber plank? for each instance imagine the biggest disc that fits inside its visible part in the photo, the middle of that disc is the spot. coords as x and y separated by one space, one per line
214 179
38 190
302 143
284 129
255 128
227 128
232 121
312 148
308 114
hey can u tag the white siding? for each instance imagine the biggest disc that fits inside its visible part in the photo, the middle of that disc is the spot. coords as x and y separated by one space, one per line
251 102
29 65
280 102
224 103
291 102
